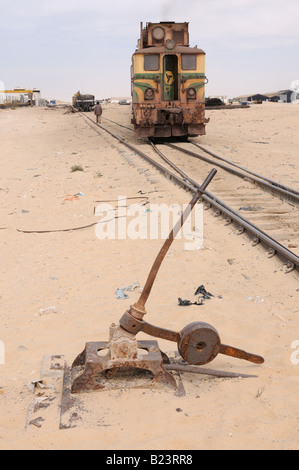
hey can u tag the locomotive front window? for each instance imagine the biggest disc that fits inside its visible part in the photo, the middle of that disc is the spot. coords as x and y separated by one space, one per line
151 62
188 61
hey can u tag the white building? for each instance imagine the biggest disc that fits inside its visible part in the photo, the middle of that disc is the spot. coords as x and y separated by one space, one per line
20 96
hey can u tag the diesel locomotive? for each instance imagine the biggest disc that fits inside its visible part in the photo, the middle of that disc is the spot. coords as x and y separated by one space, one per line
83 102
167 83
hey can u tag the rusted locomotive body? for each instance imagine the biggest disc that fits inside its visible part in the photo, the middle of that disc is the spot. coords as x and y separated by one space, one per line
83 102
168 83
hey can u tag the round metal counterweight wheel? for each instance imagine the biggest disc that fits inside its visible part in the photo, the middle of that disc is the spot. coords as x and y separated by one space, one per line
199 343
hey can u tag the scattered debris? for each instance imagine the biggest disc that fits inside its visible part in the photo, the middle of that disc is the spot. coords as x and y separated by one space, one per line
121 293
36 386
201 290
204 296
73 197
47 310
132 286
40 404
185 303
251 208
71 109
45 390
257 299
58 230
37 422
37 404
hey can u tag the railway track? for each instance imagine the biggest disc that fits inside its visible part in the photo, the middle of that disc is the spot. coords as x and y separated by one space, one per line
271 210
289 194
231 213
284 192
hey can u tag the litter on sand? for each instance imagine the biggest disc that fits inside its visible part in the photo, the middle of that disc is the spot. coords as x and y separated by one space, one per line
256 300
250 208
185 303
73 197
45 311
36 386
202 290
205 295
121 293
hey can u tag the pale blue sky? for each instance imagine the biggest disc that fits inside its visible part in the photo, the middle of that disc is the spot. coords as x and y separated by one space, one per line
69 45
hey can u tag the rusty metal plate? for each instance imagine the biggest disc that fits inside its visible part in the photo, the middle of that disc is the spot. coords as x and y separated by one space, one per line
94 369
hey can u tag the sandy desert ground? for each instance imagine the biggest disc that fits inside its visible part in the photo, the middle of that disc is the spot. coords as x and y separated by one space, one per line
255 304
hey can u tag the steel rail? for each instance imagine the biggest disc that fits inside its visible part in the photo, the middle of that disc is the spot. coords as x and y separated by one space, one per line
283 190
120 125
257 234
269 180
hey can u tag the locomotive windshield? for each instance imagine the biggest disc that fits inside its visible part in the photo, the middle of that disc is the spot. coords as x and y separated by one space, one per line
188 61
151 62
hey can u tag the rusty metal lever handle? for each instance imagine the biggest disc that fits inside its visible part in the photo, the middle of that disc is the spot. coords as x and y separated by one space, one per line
139 305
240 354
134 326
198 342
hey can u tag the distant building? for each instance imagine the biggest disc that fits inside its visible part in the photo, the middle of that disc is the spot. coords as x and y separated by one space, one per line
256 97
282 96
20 97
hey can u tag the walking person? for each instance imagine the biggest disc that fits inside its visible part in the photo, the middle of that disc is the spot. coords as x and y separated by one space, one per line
98 112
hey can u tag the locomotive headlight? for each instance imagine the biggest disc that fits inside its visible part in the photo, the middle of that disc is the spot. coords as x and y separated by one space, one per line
170 44
149 94
191 94
158 33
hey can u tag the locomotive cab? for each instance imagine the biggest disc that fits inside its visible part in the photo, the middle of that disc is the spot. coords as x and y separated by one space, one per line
168 80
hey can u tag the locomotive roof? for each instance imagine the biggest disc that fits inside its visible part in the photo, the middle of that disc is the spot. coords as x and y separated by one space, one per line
175 50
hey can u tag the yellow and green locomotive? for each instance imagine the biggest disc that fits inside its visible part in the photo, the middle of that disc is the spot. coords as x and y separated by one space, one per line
168 83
